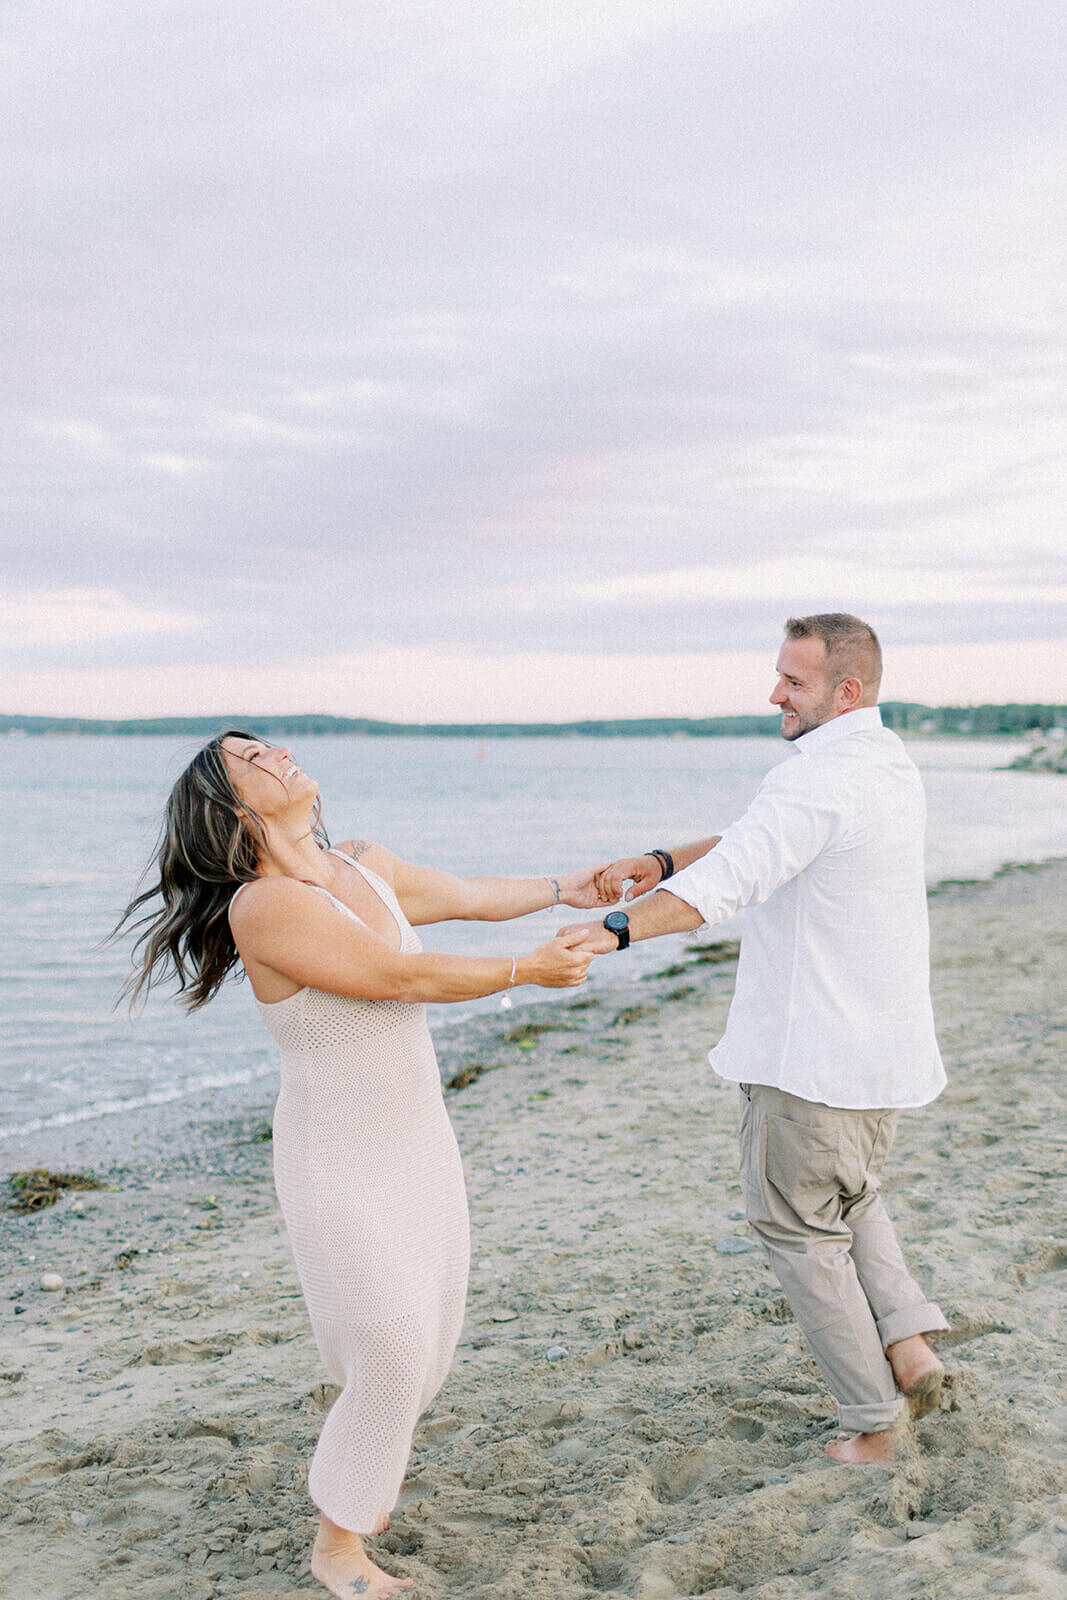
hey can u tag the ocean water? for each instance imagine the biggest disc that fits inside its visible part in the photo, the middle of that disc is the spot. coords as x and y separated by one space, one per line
81 817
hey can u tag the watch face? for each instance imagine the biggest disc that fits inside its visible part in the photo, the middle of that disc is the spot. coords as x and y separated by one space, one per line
616 921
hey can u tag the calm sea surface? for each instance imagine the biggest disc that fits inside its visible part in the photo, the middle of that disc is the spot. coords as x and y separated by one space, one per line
81 816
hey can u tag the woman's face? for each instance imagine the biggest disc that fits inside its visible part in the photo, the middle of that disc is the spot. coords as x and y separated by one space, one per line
265 776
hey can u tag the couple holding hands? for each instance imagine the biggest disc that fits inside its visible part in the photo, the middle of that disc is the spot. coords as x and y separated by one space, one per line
830 1034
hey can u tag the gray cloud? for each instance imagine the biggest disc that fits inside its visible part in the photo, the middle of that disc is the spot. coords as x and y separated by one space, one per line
344 315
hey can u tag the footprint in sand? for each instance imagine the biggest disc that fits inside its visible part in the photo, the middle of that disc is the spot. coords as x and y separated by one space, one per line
181 1352
964 1329
677 1475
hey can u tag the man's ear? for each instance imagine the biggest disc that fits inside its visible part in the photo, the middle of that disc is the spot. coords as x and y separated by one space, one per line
849 694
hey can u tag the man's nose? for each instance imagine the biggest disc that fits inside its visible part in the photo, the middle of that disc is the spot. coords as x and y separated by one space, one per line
779 693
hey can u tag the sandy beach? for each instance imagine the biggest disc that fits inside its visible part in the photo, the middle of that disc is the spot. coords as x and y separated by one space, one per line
632 1411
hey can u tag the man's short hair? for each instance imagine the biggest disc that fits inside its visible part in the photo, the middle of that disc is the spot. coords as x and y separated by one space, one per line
852 648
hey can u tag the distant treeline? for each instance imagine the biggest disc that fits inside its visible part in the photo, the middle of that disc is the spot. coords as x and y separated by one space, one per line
904 716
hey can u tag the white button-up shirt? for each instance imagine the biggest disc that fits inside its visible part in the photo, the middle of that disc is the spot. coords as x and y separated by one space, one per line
832 1001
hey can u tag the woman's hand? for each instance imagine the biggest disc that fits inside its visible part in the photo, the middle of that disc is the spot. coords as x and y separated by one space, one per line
582 888
557 964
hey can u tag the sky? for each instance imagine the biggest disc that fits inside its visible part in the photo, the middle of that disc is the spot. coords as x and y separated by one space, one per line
487 360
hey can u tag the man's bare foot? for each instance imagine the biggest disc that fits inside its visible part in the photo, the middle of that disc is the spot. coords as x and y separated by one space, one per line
918 1373
865 1449
341 1565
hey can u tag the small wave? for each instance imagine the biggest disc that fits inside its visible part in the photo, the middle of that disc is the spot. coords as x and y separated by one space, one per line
51 880
158 1097
67 1019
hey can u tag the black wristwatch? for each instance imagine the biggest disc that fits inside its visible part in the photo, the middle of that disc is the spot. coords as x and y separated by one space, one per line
618 923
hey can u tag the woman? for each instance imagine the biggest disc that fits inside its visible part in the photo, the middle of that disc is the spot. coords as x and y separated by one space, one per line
365 1161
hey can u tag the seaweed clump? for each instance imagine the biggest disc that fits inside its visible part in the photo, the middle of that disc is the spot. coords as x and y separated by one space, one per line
470 1074
38 1188
714 954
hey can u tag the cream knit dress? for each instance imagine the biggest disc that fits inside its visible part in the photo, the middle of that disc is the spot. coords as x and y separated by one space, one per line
371 1188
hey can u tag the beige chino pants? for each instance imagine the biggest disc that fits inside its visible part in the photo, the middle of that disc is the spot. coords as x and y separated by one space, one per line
809 1175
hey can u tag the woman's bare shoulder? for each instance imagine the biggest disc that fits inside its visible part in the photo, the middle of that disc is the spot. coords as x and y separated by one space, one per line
369 854
269 894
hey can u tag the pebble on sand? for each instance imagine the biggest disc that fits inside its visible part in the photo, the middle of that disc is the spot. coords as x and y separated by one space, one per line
51 1282
732 1246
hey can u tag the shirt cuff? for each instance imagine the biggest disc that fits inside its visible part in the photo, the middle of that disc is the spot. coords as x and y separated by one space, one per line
691 885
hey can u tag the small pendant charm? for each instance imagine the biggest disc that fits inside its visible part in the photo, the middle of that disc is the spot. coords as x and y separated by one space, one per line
505 1002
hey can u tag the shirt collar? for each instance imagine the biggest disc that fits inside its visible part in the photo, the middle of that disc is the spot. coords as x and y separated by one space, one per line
863 720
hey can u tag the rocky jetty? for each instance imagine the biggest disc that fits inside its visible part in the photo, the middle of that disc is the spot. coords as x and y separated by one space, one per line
1047 753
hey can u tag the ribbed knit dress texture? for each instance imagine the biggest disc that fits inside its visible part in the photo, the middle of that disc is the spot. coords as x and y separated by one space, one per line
371 1188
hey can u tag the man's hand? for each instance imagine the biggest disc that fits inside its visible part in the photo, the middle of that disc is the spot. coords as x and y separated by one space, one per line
589 938
645 871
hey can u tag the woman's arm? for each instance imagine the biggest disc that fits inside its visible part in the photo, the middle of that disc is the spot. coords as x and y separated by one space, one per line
428 895
285 928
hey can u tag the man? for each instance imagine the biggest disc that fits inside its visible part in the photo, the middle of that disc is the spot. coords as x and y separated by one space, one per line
830 1032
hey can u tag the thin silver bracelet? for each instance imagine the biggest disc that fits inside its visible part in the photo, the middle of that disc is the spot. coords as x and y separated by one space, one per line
506 1001
554 885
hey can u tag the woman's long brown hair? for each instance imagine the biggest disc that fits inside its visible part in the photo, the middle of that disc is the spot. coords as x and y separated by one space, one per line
208 846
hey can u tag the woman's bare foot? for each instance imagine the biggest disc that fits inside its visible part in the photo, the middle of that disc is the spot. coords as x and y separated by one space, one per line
865 1449
918 1373
341 1565
382 1524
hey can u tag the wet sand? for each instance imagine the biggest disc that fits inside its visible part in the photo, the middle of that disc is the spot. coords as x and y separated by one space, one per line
632 1411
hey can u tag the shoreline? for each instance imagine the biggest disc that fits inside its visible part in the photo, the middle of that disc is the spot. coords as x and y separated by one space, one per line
89 1144
164 1404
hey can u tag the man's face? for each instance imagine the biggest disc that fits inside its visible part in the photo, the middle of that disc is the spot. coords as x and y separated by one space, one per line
804 691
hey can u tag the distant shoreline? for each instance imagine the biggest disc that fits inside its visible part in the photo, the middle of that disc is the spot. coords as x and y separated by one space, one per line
984 721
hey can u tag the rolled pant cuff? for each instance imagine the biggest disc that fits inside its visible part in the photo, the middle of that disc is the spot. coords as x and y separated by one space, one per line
870 1419
904 1324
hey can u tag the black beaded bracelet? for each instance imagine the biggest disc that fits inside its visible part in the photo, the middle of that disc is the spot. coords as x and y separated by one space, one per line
666 861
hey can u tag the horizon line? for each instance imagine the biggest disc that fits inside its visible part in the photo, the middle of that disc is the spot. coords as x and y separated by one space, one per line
31 722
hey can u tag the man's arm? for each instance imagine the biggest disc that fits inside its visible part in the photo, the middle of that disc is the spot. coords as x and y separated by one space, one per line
791 820
649 871
658 913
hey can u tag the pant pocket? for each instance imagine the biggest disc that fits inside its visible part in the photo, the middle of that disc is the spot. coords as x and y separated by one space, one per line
802 1163
865 1147
750 1161
884 1135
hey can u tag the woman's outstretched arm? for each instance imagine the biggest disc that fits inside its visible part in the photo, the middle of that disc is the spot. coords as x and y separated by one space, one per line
286 930
428 895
